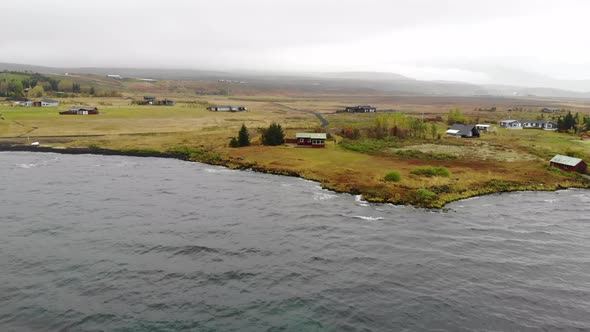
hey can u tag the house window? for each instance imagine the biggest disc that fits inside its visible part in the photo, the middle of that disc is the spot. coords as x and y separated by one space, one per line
301 140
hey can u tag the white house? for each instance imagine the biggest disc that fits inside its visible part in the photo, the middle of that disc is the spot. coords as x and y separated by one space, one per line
511 124
49 103
24 102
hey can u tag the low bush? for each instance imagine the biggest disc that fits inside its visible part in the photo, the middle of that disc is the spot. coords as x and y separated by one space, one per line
419 155
195 154
393 176
431 171
368 145
423 196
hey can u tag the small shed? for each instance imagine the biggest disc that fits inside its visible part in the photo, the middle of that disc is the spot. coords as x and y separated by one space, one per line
314 140
483 127
569 164
81 110
463 131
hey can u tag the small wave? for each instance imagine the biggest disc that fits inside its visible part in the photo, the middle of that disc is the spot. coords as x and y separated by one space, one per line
218 170
368 218
323 196
26 165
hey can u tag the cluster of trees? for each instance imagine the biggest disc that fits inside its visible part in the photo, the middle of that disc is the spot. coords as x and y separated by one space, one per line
491 109
394 125
573 123
401 126
456 116
38 85
273 135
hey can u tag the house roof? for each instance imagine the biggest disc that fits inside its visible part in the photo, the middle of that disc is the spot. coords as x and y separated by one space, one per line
565 160
311 135
361 106
461 129
83 108
482 125
49 100
533 121
509 121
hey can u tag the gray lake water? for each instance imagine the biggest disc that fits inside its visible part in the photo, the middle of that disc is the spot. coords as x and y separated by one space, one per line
99 243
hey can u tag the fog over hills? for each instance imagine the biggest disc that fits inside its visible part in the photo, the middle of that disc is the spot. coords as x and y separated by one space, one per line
379 82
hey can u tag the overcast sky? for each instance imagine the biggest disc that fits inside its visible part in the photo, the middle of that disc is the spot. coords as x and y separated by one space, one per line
526 42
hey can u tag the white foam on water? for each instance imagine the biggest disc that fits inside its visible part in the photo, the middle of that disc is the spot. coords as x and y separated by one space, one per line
358 199
26 165
323 196
368 218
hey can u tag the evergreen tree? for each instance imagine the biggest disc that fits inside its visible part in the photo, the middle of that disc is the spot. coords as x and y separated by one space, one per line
234 143
273 135
92 92
569 121
243 136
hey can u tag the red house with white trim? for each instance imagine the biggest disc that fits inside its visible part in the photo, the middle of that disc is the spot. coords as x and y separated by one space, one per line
314 140
569 164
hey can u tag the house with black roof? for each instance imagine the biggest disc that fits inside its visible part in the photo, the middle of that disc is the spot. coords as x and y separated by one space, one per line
463 131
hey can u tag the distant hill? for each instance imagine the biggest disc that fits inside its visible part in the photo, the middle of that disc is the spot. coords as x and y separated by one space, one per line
339 82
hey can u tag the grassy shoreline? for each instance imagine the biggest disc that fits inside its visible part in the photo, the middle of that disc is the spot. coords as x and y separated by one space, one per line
232 163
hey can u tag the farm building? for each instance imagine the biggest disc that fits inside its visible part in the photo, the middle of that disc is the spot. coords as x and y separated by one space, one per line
227 108
49 103
483 127
165 102
80 110
361 109
569 164
46 103
464 131
511 124
22 102
314 140
549 110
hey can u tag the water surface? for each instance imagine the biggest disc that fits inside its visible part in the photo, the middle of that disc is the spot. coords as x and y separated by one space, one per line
102 243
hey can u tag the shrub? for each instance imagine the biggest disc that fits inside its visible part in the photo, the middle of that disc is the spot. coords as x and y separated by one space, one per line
393 176
431 171
368 145
417 154
423 196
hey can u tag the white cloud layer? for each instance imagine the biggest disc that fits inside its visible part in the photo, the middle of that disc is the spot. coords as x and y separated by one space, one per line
478 41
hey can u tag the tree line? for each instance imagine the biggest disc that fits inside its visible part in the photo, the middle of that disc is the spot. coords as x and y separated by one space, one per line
39 85
573 123
273 135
